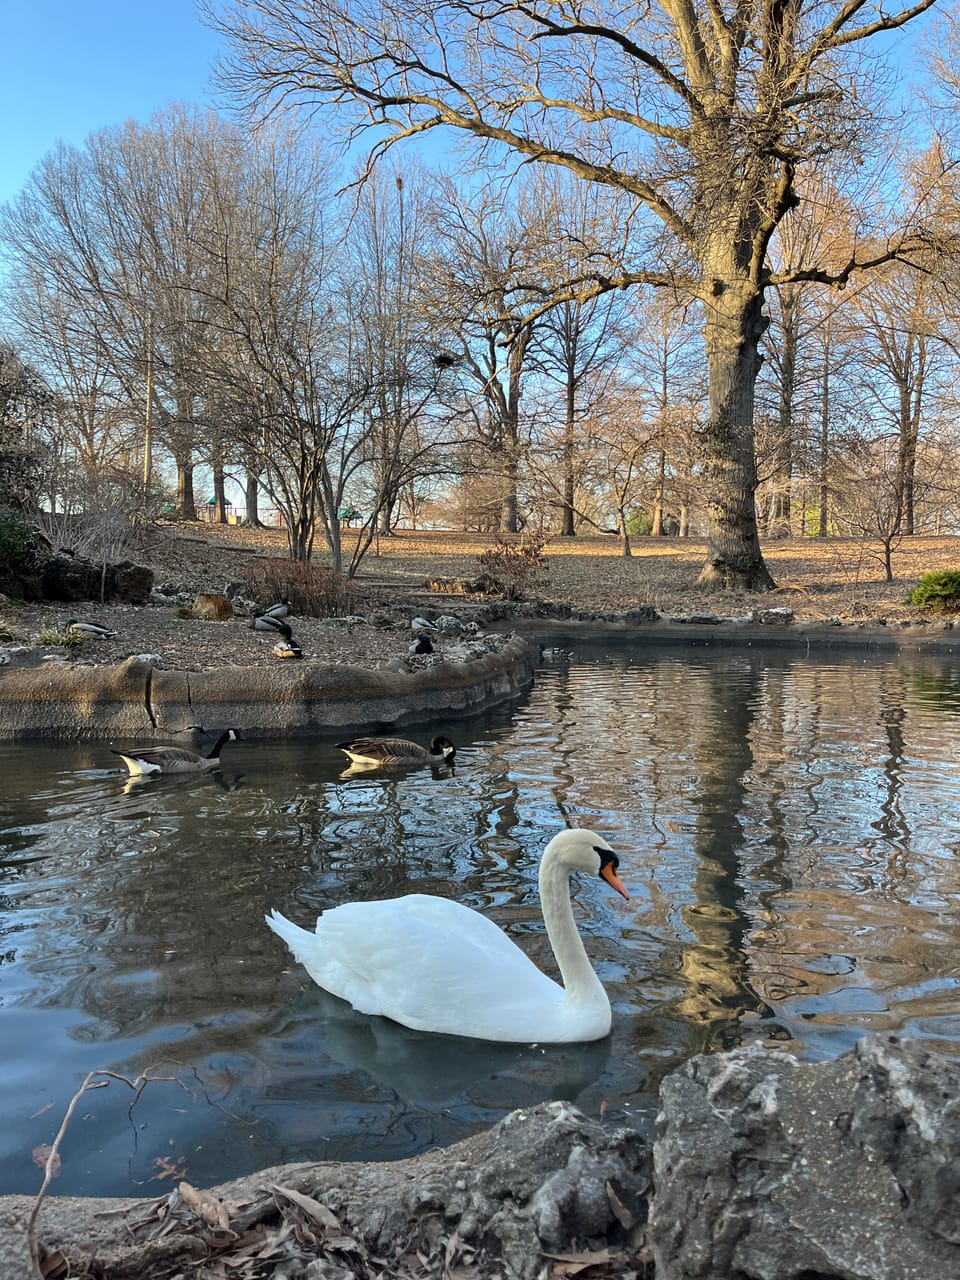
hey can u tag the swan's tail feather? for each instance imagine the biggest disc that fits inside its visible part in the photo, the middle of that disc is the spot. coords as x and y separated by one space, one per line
300 941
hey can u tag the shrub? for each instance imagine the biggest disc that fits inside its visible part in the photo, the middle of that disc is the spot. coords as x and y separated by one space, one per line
639 523
314 590
938 591
51 635
514 567
16 537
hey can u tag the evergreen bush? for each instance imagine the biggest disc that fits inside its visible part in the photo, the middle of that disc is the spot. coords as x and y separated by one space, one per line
937 591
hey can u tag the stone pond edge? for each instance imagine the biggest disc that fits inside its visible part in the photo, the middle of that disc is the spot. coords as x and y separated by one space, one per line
139 701
136 700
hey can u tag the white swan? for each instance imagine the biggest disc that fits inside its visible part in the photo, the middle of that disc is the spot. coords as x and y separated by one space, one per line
435 965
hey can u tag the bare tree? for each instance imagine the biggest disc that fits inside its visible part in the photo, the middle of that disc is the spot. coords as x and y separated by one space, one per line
408 436
700 114
482 295
870 498
27 408
665 360
580 342
279 344
116 233
621 444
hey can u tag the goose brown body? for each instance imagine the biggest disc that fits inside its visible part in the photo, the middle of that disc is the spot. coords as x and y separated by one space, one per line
173 759
397 750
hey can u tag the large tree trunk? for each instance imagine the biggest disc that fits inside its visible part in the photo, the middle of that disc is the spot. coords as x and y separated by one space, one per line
509 521
567 526
219 494
732 331
186 501
251 497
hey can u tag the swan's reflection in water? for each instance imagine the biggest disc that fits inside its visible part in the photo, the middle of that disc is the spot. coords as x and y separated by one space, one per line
433 1071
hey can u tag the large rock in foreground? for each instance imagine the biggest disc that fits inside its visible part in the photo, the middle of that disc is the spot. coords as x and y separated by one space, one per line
764 1169
541 1183
769 1169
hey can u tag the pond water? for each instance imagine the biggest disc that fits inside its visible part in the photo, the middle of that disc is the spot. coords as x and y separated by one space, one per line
788 826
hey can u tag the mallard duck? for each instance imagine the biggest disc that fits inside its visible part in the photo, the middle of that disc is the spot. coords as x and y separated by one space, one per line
550 652
73 627
436 965
397 750
141 760
422 644
274 626
279 610
287 649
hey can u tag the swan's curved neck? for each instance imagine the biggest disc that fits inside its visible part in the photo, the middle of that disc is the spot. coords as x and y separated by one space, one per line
579 980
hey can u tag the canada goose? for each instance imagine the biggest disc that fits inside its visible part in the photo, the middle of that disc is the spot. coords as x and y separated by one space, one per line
275 626
287 649
279 610
89 629
436 965
396 750
422 644
142 760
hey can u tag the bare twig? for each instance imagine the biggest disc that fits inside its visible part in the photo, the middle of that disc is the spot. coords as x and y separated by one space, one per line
89 1082
97 1080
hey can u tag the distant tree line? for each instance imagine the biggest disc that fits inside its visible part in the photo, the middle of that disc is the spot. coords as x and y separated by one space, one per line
736 334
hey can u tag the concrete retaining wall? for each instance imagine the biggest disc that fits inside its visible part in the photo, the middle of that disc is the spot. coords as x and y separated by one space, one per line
137 701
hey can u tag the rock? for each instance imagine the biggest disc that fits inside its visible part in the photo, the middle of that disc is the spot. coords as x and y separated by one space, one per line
400 666
771 1169
545 1180
448 625
774 617
132 583
69 578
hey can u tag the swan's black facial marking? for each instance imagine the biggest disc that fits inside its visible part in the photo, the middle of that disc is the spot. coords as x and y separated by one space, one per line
608 870
607 857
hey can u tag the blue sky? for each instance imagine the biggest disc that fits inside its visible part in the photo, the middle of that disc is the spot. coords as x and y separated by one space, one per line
70 67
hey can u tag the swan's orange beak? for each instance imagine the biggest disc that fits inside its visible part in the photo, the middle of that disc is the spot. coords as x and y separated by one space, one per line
609 873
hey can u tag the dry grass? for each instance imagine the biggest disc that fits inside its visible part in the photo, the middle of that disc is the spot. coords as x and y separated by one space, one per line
839 577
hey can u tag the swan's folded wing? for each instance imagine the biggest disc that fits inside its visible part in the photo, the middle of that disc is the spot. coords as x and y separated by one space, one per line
432 964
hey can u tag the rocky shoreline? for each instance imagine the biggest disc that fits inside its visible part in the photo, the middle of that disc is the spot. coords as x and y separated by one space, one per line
141 702
762 1167
163 675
